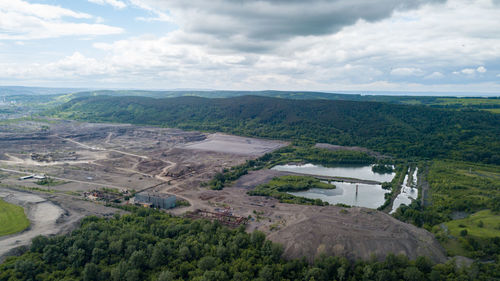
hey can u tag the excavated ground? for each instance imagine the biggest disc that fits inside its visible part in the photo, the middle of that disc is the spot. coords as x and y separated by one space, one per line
177 162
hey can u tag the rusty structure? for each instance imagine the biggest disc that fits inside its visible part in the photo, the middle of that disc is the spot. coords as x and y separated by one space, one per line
222 217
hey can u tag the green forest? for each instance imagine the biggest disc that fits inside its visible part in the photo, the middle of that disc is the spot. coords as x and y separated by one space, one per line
399 130
148 245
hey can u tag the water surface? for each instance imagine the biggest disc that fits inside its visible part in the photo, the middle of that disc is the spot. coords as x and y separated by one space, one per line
369 195
363 172
408 193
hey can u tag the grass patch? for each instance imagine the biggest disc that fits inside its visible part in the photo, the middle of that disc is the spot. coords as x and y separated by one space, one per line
486 104
477 236
483 224
279 186
12 218
454 247
493 110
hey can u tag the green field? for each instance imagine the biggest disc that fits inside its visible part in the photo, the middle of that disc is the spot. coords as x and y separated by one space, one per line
493 110
12 218
483 224
475 236
487 104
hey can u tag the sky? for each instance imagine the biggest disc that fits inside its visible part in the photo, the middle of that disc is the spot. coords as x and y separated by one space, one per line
315 45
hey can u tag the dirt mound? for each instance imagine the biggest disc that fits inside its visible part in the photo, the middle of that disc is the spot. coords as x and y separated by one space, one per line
356 233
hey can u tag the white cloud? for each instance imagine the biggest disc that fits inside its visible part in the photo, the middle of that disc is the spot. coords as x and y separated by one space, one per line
407 71
161 17
20 20
70 67
115 3
158 14
468 71
471 71
435 75
41 11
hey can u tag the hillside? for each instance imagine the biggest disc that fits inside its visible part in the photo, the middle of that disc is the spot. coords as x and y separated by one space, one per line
446 101
400 130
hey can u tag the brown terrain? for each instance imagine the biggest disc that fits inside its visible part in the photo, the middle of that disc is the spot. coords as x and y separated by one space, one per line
82 157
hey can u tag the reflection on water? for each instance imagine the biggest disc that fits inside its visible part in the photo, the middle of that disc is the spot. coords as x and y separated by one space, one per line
349 171
369 195
408 192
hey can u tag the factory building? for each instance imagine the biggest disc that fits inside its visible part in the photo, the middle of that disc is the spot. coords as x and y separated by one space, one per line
155 200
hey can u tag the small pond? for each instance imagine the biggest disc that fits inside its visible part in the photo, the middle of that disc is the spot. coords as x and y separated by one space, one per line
369 195
363 172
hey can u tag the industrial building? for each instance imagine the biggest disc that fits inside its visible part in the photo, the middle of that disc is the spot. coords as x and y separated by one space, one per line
155 200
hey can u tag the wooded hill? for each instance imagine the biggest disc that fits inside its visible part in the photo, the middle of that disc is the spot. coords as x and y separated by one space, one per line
399 130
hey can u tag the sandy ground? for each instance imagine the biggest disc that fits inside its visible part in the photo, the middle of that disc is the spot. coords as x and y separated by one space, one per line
235 145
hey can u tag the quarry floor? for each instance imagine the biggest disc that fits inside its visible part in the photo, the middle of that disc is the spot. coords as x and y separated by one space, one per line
85 156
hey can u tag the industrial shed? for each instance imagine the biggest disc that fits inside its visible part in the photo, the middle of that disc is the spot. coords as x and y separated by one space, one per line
156 200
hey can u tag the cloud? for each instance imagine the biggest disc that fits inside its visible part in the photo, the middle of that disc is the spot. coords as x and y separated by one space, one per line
20 20
471 71
407 71
410 50
260 26
468 71
158 15
161 17
115 3
435 75
70 67
41 11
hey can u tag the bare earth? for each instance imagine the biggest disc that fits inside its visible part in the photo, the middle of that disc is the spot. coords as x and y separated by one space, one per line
86 156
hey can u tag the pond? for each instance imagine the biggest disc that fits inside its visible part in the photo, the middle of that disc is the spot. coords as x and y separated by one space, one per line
363 172
369 195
